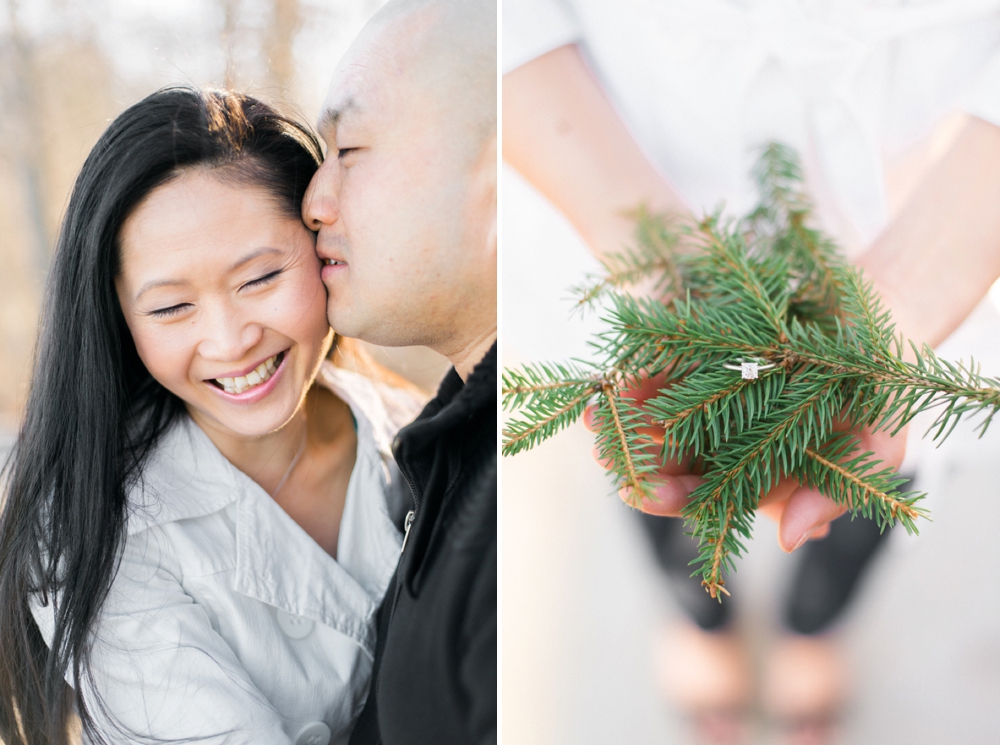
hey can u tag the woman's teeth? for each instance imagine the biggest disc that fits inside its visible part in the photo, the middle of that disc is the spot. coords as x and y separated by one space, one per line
332 262
259 375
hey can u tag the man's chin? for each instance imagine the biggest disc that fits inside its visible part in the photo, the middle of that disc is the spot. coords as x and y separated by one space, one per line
342 320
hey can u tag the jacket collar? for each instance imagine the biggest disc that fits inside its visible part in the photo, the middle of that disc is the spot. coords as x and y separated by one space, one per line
431 452
279 564
186 476
456 402
193 480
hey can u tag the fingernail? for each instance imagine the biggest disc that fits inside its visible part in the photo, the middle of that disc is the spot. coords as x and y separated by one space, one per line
805 537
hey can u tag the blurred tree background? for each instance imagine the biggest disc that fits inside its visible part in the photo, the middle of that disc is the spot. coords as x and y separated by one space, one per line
67 67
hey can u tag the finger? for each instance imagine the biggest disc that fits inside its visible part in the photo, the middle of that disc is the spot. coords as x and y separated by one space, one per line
644 388
821 532
605 463
655 433
671 496
592 422
805 514
772 504
890 449
773 510
670 467
779 493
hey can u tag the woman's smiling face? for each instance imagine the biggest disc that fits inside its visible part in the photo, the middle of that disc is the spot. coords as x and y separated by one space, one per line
221 290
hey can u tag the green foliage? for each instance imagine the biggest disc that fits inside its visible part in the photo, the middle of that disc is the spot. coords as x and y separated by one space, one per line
767 287
651 258
551 397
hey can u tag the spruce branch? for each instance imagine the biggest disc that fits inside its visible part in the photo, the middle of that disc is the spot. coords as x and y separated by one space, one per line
834 471
769 290
631 452
652 257
551 397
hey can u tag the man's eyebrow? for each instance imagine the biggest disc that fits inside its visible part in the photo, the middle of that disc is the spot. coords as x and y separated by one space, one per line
155 283
331 117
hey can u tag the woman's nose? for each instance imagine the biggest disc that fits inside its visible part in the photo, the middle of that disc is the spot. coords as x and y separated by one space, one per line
229 335
320 206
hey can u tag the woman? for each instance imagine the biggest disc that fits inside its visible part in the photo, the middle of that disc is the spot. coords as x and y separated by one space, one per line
199 524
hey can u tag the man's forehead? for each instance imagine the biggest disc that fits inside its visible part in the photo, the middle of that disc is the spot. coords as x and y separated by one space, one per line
374 71
357 88
337 109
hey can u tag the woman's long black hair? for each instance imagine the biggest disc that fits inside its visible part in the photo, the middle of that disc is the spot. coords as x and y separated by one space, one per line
94 412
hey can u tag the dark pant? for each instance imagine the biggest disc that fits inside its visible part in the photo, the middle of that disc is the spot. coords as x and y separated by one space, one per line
824 581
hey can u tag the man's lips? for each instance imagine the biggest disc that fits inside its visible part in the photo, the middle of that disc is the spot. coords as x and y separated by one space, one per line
328 247
332 267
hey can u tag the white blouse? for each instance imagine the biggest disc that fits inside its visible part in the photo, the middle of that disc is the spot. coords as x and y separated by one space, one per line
853 85
226 622
703 83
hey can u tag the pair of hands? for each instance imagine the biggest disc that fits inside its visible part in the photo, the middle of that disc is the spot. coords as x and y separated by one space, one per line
801 513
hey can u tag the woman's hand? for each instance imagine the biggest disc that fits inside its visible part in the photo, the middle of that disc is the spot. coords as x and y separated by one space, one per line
801 512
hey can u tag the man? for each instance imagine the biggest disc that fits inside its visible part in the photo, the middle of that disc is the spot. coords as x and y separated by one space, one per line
405 213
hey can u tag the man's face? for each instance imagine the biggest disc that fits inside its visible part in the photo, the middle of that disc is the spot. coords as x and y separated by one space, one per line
404 206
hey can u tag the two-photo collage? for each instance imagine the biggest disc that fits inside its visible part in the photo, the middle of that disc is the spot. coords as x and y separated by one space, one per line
463 372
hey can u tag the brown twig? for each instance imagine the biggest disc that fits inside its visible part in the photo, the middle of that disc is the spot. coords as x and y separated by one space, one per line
894 504
610 390
714 584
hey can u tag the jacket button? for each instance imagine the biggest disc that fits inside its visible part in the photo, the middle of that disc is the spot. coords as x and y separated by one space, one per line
295 627
314 733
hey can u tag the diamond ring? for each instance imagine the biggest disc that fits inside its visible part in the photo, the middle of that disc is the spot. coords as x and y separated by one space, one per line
749 367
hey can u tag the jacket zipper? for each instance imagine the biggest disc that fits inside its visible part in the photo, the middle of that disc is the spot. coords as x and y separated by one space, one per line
407 524
412 514
406 532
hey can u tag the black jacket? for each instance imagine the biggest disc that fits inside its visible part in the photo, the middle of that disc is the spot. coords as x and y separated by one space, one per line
435 673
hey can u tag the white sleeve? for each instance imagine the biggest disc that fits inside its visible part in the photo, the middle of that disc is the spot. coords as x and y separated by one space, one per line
160 671
533 27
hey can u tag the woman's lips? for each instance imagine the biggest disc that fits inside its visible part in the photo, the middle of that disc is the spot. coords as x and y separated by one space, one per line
252 387
256 376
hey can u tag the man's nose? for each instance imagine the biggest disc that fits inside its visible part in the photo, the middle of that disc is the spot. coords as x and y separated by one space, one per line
320 206
228 334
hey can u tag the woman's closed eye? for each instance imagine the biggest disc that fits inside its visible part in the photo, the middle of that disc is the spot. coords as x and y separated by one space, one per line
173 310
345 151
167 312
260 281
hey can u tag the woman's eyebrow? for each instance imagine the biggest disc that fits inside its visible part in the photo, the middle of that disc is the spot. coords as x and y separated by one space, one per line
256 254
154 283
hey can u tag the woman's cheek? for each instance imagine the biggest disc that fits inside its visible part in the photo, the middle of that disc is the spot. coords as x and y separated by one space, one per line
164 353
306 305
